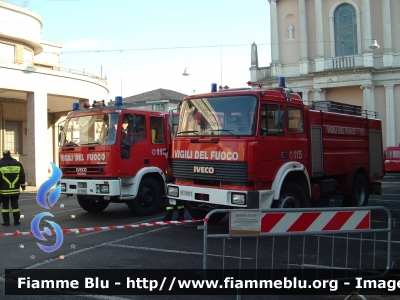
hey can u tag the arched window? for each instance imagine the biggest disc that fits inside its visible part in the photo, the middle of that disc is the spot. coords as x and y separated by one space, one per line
345 23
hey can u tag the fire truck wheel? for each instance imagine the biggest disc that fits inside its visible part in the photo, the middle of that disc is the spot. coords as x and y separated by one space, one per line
93 204
148 201
293 196
199 214
359 192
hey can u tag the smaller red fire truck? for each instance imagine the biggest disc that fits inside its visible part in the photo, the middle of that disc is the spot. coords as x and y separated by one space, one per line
392 160
114 154
261 148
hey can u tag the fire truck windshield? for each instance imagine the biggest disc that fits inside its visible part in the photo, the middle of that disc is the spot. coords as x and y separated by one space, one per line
93 129
224 116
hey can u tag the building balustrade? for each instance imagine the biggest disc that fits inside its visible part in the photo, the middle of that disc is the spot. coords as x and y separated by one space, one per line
29 66
324 64
344 62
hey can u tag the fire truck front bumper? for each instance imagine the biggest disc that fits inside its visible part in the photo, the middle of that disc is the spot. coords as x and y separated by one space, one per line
110 187
233 198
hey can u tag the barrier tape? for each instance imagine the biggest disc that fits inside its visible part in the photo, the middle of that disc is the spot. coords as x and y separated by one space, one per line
78 230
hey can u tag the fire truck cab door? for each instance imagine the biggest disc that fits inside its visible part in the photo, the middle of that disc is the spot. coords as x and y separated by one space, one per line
273 144
297 141
135 139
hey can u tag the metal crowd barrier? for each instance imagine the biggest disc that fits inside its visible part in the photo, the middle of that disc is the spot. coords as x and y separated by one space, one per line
345 239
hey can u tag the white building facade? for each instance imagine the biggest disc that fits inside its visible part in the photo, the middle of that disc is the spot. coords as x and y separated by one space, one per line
36 93
325 50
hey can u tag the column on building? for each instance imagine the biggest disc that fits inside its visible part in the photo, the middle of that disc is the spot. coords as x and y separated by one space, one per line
275 64
304 62
38 162
319 30
254 63
319 94
390 116
368 98
304 96
368 58
387 35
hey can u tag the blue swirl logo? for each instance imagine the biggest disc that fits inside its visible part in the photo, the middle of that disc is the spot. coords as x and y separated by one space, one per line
46 186
52 199
36 232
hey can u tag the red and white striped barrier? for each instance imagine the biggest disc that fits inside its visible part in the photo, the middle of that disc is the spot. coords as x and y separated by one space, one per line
78 230
315 221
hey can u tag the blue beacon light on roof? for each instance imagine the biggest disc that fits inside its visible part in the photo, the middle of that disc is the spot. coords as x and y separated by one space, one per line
282 82
75 106
118 100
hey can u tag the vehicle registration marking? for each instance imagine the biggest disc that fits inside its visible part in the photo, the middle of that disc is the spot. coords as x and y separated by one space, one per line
186 193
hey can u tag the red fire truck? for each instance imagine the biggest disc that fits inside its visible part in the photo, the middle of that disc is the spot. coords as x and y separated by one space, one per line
114 154
260 148
392 160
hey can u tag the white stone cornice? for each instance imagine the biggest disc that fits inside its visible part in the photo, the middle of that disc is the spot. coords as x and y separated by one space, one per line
367 87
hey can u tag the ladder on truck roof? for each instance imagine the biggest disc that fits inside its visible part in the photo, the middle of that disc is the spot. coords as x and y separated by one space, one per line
343 108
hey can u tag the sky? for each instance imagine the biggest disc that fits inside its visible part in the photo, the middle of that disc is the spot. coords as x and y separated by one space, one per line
143 45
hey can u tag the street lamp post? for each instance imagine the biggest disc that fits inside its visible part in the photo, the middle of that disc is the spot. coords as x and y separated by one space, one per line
221 64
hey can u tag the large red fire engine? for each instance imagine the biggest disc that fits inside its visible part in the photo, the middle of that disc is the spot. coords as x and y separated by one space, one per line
260 148
114 154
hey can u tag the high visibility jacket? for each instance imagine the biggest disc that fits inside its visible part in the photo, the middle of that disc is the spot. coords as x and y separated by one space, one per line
12 176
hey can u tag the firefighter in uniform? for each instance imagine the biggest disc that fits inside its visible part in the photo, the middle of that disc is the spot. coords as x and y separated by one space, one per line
170 208
12 179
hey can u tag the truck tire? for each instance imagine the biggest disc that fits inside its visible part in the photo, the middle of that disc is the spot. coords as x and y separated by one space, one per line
148 200
92 204
293 196
200 214
359 192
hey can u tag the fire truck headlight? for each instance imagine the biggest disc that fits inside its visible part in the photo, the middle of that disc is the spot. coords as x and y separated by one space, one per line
238 199
104 189
173 191
63 187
